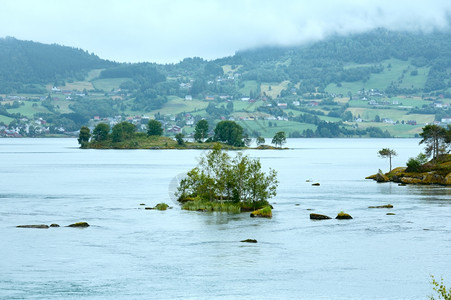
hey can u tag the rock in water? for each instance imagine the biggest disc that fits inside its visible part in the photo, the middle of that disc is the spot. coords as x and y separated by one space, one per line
319 217
249 241
79 225
264 212
40 226
161 206
382 206
54 225
343 216
380 177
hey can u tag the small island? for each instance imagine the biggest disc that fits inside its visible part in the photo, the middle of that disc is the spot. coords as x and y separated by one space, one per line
225 184
419 170
123 135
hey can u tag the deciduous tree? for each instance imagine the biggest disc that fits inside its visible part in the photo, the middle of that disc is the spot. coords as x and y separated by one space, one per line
230 133
279 139
123 131
201 131
100 132
83 137
154 127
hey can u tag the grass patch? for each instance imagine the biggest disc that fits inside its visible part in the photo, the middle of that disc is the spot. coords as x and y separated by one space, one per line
262 126
276 88
78 86
108 84
5 119
206 206
28 110
249 85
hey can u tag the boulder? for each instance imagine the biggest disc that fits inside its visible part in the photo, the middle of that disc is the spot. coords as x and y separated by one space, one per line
264 212
371 177
380 177
79 225
249 241
54 225
40 226
343 216
382 206
410 180
314 216
161 206
316 184
447 179
390 214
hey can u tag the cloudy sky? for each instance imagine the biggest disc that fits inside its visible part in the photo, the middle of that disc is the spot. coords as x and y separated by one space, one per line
166 31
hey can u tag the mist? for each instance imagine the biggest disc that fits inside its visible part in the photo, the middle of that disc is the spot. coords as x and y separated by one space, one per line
168 31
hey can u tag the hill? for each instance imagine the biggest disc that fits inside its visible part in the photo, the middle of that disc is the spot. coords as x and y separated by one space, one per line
378 84
26 65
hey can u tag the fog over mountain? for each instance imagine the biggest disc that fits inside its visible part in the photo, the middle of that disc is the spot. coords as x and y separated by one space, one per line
168 31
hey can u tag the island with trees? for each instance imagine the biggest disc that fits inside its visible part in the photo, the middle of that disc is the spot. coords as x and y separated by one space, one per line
420 170
228 184
124 135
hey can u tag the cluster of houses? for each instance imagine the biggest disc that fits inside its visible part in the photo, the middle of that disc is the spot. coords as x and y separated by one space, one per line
26 127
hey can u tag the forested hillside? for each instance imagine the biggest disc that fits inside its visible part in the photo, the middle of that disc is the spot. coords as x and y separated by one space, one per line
24 65
380 84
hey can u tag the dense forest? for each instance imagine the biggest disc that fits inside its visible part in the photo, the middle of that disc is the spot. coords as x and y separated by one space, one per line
24 65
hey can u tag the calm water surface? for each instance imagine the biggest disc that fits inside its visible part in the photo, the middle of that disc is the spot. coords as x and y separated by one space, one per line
132 253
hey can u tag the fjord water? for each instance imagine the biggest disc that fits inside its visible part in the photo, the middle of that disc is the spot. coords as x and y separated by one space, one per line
132 253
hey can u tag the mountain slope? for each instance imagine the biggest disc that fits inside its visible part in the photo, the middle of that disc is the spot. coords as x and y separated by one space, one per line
27 62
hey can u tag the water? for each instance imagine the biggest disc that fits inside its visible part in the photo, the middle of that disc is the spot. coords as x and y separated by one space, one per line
132 253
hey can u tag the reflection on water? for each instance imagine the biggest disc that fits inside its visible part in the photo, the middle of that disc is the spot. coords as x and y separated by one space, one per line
132 253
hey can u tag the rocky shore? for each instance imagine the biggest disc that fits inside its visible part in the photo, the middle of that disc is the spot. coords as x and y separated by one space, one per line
438 175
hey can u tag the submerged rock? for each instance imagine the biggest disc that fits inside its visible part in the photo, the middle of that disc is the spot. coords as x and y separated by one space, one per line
79 225
39 226
314 216
249 241
390 214
54 225
316 184
343 216
382 206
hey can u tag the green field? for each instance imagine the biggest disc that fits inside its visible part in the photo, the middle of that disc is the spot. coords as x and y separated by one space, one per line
28 110
176 105
249 85
394 114
6 120
108 84
396 130
276 88
262 126
398 73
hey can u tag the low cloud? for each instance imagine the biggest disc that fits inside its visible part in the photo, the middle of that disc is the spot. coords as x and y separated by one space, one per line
168 31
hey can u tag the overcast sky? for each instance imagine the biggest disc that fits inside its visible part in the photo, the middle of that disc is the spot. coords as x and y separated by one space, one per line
166 31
